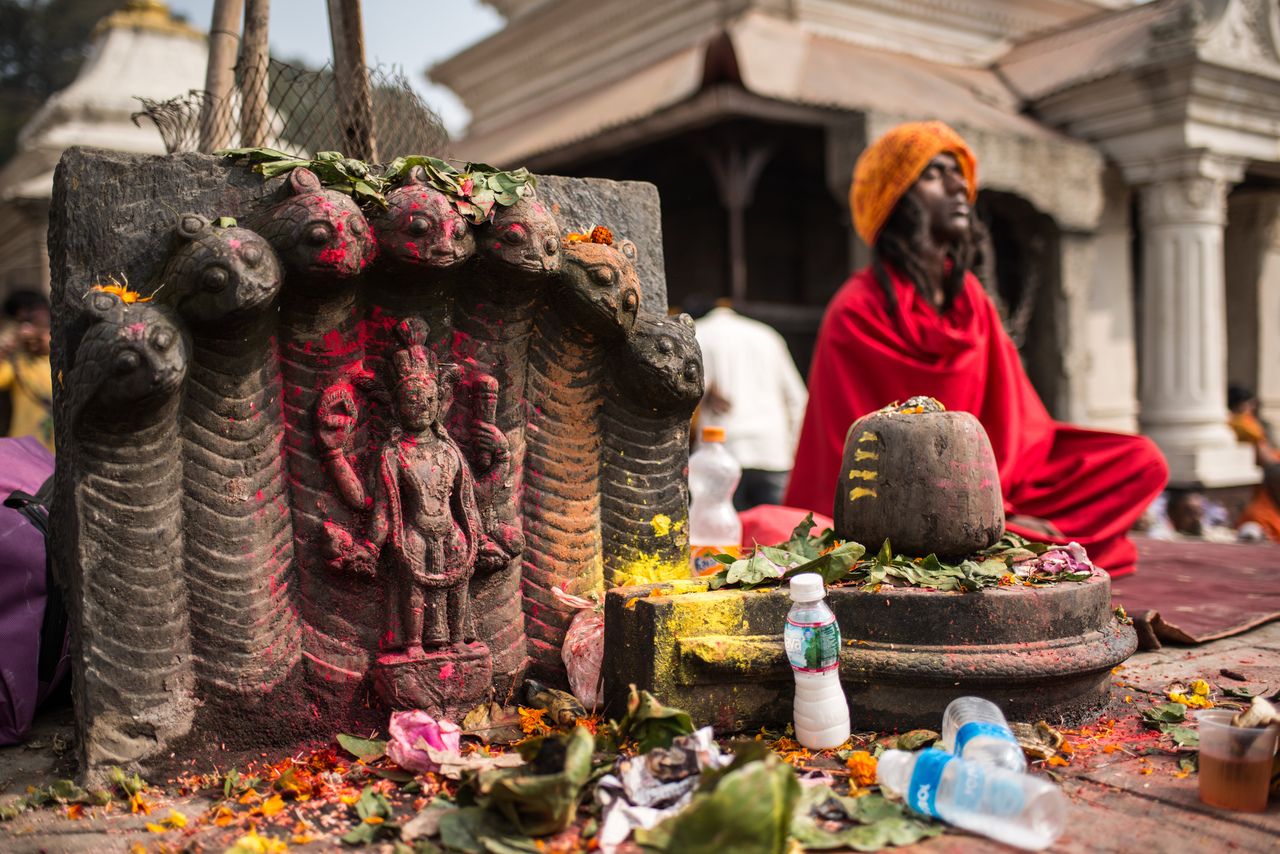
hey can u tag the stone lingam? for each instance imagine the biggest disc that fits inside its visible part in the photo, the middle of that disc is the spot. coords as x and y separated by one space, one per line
318 460
926 479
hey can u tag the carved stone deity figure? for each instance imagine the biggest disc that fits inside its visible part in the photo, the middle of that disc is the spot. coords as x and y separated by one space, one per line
424 527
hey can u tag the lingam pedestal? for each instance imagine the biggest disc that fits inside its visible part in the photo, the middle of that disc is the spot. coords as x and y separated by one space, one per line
1041 653
915 475
320 460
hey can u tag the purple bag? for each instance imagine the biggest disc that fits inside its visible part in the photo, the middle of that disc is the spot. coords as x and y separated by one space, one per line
26 466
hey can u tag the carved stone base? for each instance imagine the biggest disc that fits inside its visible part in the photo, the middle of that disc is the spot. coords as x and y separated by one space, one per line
1041 653
447 682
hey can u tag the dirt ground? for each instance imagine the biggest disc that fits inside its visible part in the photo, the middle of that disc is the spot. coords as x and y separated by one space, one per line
1124 783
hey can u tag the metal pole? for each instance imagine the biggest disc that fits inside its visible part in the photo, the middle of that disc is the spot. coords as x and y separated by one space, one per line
254 57
355 101
220 74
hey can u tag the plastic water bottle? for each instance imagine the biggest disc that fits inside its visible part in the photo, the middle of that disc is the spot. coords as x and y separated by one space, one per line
714 526
976 729
1016 809
812 641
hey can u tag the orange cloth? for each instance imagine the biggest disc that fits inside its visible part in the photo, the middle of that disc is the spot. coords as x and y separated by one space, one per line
1262 508
891 164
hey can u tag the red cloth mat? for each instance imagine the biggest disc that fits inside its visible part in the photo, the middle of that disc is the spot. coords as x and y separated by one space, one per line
1195 592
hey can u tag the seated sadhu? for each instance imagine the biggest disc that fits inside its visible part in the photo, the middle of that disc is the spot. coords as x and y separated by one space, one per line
918 322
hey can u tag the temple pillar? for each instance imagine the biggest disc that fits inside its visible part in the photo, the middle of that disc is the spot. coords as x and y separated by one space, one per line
1183 370
1253 296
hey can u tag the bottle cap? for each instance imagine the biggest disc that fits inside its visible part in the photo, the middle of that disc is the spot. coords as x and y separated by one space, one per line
807 587
713 434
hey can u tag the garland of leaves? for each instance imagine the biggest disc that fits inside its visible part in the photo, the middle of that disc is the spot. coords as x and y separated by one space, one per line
475 189
1011 559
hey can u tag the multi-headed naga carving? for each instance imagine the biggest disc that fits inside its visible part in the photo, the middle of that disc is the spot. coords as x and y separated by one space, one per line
338 459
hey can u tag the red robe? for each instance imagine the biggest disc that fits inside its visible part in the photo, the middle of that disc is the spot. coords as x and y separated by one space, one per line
1092 485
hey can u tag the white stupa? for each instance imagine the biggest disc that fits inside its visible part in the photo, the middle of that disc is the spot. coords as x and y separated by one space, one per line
139 51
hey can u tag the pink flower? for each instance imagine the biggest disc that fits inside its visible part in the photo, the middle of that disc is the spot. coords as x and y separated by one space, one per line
415 735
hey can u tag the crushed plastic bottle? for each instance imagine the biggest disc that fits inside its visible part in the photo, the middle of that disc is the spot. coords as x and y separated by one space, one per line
1016 809
976 729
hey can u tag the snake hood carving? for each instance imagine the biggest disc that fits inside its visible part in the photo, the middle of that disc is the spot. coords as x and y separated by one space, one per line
139 353
663 363
420 228
599 287
524 237
219 274
320 235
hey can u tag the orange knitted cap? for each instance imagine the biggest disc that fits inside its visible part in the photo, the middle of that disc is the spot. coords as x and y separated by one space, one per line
891 165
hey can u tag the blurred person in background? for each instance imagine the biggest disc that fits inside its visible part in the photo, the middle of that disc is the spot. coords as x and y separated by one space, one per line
918 322
754 392
1263 508
24 366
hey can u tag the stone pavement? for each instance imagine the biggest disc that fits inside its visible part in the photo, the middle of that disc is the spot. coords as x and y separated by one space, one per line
1123 782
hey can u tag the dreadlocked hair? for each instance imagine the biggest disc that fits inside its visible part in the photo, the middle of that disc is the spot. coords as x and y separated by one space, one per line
903 242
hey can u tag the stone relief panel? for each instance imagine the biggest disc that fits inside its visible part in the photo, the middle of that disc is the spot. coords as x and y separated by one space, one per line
320 460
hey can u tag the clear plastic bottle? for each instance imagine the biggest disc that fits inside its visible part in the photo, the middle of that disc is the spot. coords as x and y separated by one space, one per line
812 641
714 526
1016 809
976 729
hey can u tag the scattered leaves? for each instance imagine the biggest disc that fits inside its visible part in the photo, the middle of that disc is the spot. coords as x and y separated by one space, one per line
825 820
365 749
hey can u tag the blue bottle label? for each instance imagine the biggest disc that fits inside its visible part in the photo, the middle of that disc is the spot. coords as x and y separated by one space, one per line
973 729
922 791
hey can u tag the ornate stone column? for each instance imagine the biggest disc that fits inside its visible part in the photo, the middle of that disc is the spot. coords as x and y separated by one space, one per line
1253 296
1183 367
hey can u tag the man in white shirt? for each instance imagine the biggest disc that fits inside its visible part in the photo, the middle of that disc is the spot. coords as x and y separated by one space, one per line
756 394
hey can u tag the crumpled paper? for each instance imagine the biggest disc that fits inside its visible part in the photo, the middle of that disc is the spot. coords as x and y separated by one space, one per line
645 789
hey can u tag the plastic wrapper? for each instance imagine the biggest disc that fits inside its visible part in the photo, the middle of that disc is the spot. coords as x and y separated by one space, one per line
645 789
583 650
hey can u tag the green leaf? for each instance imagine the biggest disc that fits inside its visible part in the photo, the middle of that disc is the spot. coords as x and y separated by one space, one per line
1168 713
749 812
130 785
752 571
373 803
68 792
1190 764
916 739
472 830
535 799
652 724
1183 736
824 820
834 566
367 749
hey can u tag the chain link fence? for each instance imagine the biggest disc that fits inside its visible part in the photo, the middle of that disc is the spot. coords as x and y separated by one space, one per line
305 115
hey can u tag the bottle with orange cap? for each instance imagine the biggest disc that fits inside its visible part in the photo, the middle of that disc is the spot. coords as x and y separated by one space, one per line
714 527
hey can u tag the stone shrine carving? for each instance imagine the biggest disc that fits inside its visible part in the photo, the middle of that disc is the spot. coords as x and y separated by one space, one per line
328 461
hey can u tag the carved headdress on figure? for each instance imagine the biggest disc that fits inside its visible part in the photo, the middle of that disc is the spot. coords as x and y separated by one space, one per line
414 365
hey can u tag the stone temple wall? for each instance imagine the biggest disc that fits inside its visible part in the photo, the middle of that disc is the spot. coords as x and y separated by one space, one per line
321 461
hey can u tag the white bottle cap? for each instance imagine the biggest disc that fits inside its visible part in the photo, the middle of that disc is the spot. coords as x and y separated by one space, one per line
807 587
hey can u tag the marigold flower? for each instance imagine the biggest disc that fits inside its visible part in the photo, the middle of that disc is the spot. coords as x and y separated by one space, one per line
126 294
863 765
